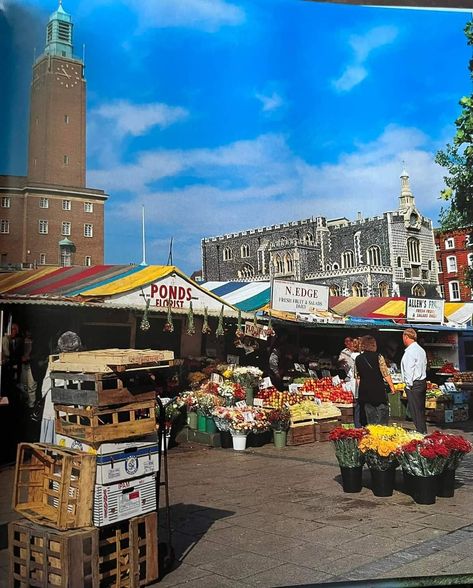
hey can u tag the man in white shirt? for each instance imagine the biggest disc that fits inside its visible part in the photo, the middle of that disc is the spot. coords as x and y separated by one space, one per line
413 370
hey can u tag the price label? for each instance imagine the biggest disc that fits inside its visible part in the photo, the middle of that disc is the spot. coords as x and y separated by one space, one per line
313 375
233 359
248 416
299 367
241 404
216 378
336 380
266 383
258 402
294 388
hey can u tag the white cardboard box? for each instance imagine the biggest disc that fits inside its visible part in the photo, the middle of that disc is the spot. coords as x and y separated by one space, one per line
120 461
124 500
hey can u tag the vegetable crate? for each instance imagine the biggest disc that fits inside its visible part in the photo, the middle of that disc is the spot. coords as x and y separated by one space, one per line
128 552
323 428
101 389
98 425
45 557
301 432
434 415
347 415
110 360
54 486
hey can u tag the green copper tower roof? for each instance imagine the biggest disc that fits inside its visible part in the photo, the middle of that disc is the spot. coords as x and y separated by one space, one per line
59 33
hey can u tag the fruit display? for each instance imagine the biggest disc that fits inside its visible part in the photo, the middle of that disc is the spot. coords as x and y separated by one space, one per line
272 398
326 391
448 368
463 377
309 409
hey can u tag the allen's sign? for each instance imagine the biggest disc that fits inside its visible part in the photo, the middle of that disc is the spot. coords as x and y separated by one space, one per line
423 310
298 296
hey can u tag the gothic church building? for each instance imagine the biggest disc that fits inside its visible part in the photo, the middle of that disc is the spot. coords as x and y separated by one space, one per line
388 255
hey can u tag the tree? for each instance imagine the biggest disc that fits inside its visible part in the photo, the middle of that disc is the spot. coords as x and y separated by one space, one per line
457 159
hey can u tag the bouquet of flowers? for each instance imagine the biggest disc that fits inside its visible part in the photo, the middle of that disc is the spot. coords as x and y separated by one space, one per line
279 419
457 446
206 402
171 411
240 420
379 446
222 416
260 423
189 400
248 376
231 392
195 379
346 442
423 457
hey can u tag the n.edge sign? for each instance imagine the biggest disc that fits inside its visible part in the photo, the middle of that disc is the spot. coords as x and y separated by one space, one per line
298 296
424 310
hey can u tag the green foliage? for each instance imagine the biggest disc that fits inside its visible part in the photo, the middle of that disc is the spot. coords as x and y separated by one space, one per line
457 159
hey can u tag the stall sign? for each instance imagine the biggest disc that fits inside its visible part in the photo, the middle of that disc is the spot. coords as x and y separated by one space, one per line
298 296
256 331
424 310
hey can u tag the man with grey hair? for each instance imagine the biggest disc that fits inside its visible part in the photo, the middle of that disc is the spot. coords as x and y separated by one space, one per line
413 370
67 342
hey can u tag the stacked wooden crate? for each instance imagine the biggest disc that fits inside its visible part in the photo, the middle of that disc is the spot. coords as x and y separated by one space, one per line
90 500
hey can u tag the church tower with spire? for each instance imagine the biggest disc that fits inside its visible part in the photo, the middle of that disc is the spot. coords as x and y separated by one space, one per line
57 132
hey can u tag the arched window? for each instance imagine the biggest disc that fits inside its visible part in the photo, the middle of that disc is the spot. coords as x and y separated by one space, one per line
383 289
373 255
245 251
418 290
309 239
348 259
413 250
357 289
335 266
289 263
328 267
227 254
279 264
334 290
451 264
247 271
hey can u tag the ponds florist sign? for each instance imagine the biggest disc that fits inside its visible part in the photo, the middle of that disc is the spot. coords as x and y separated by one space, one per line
298 297
423 310
172 290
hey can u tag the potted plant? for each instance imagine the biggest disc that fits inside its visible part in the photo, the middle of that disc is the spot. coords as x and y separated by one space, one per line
249 378
458 447
379 447
240 425
279 420
422 460
349 456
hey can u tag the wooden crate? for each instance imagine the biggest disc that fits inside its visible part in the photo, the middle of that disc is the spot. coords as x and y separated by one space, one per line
101 389
433 415
109 360
45 557
301 433
54 486
347 416
129 552
98 425
323 428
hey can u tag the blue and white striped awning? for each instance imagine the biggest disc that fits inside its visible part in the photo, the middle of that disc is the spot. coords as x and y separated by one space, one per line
247 296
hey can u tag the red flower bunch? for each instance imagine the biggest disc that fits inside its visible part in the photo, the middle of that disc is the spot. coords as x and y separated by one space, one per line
279 419
239 393
340 433
456 445
424 457
210 388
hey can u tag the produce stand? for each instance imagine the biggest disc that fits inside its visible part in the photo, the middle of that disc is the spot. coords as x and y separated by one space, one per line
91 502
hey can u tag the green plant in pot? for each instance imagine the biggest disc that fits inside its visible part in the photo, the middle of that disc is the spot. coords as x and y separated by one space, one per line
279 420
349 457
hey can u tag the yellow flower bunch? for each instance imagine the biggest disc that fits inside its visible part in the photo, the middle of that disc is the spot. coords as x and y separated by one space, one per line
385 440
227 374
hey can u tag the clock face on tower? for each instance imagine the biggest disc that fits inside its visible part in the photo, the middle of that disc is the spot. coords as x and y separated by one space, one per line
67 76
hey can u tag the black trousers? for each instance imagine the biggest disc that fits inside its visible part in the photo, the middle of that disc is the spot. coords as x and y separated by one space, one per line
416 404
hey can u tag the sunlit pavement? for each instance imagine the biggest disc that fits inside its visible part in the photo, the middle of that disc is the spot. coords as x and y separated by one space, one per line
269 517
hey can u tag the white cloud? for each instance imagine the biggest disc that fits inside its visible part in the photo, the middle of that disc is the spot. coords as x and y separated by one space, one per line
206 15
363 45
259 182
138 119
270 103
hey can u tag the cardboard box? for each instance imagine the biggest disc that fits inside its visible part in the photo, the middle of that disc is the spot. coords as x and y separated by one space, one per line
120 461
123 500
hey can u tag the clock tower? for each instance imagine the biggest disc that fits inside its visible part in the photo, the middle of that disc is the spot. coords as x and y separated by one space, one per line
57 133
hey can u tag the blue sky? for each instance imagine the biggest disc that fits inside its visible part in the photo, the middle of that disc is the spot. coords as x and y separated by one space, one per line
221 115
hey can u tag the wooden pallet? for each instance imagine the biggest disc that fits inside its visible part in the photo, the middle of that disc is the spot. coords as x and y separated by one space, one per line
54 486
101 389
99 425
129 552
110 360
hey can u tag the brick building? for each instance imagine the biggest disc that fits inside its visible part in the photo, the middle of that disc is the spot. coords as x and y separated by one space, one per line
50 217
454 256
389 255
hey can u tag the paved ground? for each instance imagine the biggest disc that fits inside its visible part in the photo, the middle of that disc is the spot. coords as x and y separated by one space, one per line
278 517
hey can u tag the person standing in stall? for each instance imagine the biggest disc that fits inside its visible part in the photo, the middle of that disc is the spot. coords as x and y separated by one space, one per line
413 370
